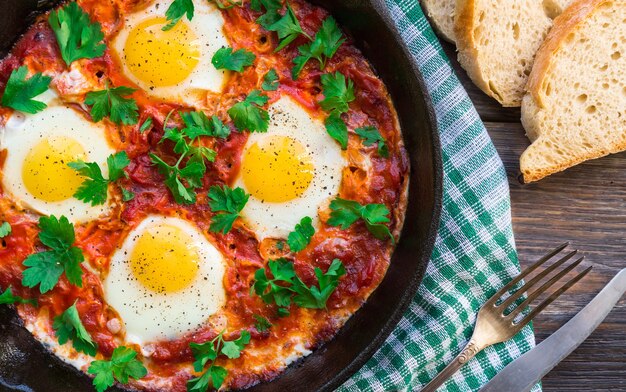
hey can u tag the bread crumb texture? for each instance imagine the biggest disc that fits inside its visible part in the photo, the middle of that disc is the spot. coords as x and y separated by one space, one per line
441 15
575 108
498 39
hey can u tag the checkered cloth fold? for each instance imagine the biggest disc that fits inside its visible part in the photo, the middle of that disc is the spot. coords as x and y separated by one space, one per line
474 252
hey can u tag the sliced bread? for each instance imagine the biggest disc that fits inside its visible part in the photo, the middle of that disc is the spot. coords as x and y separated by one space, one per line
497 41
441 15
575 108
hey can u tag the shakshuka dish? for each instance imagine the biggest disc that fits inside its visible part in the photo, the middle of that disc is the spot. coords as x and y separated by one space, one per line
194 193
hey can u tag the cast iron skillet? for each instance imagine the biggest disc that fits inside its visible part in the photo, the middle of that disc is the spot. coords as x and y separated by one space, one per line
26 366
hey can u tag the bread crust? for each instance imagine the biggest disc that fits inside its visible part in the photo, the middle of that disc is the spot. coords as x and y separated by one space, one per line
467 47
564 24
445 31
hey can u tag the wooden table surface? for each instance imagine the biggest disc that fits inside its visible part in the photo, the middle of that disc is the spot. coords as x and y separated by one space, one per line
585 205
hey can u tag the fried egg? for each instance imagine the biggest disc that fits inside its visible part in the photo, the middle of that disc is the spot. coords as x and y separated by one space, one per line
165 280
39 147
290 171
173 64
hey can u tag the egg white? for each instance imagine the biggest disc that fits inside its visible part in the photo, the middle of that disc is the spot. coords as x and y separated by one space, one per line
277 220
23 131
150 316
207 24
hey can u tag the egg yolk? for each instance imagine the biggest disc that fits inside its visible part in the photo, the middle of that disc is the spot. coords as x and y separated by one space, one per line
278 169
45 172
165 259
161 58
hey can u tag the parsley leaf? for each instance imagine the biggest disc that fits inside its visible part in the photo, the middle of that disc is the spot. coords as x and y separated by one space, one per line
236 61
271 7
286 26
346 212
326 43
77 36
68 326
111 103
19 91
127 195
286 286
248 114
7 298
337 129
229 202
226 4
338 92
121 367
5 229
270 81
196 125
301 236
45 268
94 189
208 352
175 12
146 125
261 324
371 135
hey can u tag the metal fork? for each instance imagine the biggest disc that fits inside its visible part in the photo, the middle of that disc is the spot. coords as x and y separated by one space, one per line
494 326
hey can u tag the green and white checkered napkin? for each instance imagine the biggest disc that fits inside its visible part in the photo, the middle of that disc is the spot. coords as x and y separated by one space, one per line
474 252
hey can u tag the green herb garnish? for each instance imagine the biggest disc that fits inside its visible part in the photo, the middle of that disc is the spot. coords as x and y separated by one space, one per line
175 12
338 93
146 125
5 229
111 103
261 323
94 190
228 203
68 326
19 91
7 298
270 81
286 26
45 268
226 58
324 46
371 135
122 366
77 36
207 353
286 286
346 212
301 236
249 115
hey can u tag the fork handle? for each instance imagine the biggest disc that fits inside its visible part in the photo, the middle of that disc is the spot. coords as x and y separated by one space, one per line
471 349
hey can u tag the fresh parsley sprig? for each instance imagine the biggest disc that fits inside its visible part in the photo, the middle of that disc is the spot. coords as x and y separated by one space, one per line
285 286
323 47
338 93
77 36
226 4
286 26
227 203
94 190
371 135
208 352
301 236
270 81
111 102
248 115
175 12
68 326
238 60
194 169
7 298
261 323
20 91
5 229
45 268
122 366
346 212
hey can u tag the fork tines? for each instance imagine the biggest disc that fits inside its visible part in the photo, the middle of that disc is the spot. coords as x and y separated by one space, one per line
543 288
